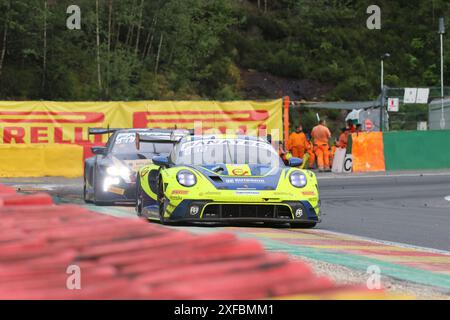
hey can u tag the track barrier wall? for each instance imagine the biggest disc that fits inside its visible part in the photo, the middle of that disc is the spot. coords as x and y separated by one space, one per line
368 152
400 150
132 259
417 150
57 160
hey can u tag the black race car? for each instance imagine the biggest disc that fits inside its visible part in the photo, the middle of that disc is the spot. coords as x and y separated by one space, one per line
110 175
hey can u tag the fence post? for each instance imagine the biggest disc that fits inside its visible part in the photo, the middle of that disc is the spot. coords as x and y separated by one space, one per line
286 103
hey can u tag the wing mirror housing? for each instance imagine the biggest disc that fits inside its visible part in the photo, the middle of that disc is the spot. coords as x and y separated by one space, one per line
161 161
99 150
295 162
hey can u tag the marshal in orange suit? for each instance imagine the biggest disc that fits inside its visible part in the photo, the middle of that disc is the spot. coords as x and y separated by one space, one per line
298 143
321 135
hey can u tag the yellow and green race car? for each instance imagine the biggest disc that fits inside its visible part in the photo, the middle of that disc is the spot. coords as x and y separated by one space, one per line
223 178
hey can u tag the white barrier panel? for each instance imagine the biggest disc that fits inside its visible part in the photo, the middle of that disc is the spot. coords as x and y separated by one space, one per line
338 161
348 163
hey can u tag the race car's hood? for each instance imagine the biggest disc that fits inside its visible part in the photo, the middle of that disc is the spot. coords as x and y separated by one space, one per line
132 156
133 161
235 177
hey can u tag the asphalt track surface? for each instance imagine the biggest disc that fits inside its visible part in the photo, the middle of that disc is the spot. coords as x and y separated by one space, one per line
409 208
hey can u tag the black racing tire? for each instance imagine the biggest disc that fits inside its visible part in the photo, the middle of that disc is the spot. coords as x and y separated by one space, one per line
303 225
161 201
139 198
85 197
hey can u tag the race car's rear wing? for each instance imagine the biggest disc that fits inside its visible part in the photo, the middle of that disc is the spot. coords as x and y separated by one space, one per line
166 136
96 131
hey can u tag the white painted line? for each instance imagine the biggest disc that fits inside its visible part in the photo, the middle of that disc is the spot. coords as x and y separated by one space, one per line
38 187
447 198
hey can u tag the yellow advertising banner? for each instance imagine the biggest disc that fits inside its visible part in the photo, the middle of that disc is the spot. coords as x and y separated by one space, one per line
42 122
41 160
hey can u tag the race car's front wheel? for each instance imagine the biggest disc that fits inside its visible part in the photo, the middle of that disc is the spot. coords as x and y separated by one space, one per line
303 225
97 188
85 192
161 202
139 200
85 196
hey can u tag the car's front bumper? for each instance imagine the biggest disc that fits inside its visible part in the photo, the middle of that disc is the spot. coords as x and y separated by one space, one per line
212 211
120 193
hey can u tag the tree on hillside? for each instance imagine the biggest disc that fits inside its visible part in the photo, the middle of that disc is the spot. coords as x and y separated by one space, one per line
183 49
6 7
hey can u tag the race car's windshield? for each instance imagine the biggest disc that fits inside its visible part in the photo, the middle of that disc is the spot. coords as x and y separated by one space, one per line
125 144
226 151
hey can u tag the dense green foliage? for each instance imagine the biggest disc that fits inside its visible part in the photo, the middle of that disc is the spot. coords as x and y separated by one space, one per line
205 44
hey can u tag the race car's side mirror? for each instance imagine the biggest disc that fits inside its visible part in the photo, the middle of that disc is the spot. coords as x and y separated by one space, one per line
99 150
295 162
161 161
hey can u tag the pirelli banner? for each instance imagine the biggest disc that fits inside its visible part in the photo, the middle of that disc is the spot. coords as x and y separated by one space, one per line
41 122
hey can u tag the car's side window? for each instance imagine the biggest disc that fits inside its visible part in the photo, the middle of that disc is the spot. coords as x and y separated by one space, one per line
153 180
91 174
110 143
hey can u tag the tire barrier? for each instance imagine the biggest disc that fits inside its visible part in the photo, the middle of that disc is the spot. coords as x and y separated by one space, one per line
42 245
54 160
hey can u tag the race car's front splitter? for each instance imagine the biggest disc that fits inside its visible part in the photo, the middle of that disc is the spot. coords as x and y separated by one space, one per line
210 211
120 193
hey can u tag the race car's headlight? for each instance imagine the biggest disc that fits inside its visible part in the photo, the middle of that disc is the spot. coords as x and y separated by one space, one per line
186 178
109 182
118 171
298 179
113 171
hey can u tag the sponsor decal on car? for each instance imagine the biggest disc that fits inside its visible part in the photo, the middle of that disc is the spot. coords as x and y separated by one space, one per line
282 193
238 170
144 171
115 190
135 165
247 192
175 192
201 145
125 138
210 193
130 137
243 180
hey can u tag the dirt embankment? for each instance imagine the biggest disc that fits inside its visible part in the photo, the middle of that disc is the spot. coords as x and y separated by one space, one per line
258 85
